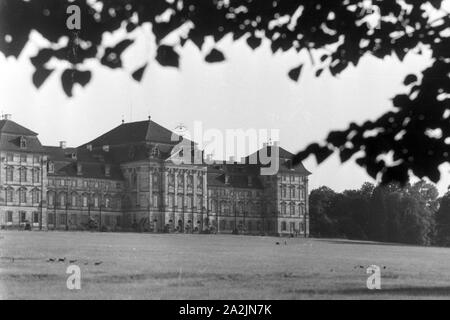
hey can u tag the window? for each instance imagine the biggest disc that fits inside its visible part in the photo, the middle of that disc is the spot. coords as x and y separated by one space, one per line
51 199
9 216
73 219
96 201
9 174
22 195
51 218
62 200
23 158
9 195
23 174
50 167
35 217
85 201
35 196
74 200
283 226
23 143
36 159
189 202
10 157
22 216
292 227
62 219
36 175
283 208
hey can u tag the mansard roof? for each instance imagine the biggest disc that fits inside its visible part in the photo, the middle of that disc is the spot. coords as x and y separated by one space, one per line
10 136
9 126
284 156
238 176
92 165
135 132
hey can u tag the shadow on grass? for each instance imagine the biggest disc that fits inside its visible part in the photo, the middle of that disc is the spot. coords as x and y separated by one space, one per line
414 291
360 242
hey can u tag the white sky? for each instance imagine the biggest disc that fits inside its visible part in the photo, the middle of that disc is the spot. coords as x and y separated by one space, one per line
250 90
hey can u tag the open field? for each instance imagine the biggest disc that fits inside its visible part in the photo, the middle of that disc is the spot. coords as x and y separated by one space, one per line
178 266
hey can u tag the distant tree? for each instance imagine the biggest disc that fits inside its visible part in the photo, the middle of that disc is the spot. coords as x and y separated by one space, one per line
443 222
335 34
321 201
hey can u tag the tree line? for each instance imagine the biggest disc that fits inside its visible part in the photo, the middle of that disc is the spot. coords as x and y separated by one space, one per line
411 214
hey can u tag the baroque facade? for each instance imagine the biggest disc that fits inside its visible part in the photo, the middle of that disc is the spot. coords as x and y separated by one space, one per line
126 180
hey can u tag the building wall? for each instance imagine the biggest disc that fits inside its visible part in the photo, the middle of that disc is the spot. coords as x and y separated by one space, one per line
165 197
23 181
75 200
239 209
154 196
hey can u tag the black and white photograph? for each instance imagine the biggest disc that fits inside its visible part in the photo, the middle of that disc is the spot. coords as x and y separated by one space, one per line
208 151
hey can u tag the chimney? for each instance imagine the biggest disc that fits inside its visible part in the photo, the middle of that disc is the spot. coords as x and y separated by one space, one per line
107 170
232 159
89 147
106 148
79 169
62 144
7 116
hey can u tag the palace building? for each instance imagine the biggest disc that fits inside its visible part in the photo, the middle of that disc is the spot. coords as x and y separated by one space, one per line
127 180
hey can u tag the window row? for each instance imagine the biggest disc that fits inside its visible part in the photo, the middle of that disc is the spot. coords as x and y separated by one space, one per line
22 195
11 157
293 192
75 200
23 174
293 209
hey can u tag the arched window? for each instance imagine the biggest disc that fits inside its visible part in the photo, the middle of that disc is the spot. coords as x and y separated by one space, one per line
74 200
9 174
85 200
22 195
292 209
189 202
36 196
9 195
62 199
171 179
36 175
283 208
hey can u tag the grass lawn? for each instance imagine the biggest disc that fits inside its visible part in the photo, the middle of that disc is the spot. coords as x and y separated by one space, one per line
179 266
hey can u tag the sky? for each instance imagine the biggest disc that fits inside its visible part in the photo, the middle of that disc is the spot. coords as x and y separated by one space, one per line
250 90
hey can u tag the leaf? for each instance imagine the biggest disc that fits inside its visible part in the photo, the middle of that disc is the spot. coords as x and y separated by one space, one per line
410 79
137 75
42 57
319 72
294 74
40 75
214 56
167 56
71 76
254 42
111 57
